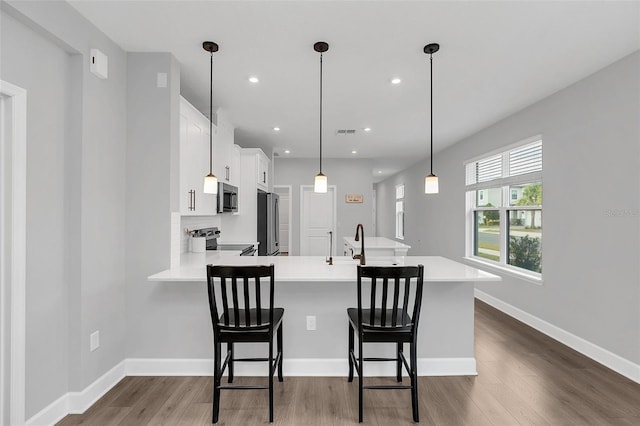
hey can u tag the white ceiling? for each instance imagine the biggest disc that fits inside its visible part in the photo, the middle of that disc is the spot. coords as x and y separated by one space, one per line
495 58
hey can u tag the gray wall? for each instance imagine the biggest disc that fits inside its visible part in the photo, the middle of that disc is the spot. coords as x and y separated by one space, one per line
591 166
75 195
349 176
164 320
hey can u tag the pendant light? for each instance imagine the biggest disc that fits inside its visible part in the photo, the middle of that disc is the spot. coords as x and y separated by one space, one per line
210 180
431 180
320 182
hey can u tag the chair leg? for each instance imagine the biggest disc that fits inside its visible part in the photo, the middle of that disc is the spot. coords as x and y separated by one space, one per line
271 381
279 337
216 380
350 352
230 349
360 379
414 382
399 362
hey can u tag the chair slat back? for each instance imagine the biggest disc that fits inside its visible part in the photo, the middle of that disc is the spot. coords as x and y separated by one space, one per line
240 296
405 280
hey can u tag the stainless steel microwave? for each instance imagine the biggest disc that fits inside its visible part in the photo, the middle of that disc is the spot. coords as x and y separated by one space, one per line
227 198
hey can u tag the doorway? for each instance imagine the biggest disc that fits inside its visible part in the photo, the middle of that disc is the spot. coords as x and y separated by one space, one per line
317 219
284 220
13 178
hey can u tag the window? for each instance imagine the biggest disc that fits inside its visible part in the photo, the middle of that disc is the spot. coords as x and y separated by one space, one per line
400 212
504 208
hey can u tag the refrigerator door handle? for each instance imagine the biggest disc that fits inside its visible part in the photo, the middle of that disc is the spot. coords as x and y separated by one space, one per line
276 225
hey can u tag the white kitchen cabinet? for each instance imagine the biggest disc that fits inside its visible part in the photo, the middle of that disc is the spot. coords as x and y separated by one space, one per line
262 171
194 162
235 170
226 157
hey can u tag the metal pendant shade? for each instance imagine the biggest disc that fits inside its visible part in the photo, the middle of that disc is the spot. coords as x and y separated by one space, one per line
320 181
210 180
431 180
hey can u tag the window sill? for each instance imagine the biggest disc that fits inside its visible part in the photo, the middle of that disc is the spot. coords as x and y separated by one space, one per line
508 271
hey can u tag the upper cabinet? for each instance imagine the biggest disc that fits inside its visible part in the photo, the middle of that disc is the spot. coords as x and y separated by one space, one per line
263 171
255 168
194 161
226 158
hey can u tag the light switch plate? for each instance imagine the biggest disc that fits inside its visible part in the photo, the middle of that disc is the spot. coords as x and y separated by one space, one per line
94 341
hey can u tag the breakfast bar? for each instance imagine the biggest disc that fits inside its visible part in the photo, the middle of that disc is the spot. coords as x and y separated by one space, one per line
306 286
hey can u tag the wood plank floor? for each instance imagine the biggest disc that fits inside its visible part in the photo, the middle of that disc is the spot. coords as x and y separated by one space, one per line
524 378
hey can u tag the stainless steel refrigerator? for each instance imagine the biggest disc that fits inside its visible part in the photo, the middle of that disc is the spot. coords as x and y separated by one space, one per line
268 223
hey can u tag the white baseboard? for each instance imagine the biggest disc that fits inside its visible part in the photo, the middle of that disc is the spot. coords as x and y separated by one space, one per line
78 402
305 367
609 359
51 414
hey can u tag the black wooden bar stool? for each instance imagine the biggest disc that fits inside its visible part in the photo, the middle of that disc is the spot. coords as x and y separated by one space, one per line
241 321
387 320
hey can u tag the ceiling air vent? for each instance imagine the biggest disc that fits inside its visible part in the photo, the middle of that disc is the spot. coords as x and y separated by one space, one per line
346 131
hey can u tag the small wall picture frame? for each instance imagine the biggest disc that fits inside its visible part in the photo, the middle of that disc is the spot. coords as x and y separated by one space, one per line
353 198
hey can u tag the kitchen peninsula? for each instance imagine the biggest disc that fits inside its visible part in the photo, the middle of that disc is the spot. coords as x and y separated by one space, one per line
308 286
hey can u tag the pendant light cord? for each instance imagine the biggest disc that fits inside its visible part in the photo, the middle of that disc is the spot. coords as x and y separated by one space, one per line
320 112
211 116
431 88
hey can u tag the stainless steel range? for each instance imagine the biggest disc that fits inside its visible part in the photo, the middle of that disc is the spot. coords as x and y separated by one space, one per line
211 236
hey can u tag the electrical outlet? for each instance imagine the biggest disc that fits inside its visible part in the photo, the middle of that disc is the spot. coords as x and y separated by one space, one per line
94 341
311 322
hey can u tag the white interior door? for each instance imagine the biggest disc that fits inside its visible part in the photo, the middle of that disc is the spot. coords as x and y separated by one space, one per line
317 218
285 217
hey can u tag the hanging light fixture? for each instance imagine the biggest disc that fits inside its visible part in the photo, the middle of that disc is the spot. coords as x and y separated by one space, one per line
210 180
320 182
431 180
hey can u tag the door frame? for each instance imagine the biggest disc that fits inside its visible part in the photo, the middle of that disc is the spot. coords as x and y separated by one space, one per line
14 204
289 190
335 209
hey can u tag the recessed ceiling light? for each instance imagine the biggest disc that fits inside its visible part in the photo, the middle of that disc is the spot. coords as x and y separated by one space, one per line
396 80
367 129
253 79
354 152
379 171
276 129
286 151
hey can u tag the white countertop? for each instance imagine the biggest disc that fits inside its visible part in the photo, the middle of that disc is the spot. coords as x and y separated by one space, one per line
314 268
376 243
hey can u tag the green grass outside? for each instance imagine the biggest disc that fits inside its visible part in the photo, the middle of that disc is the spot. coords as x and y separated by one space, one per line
489 246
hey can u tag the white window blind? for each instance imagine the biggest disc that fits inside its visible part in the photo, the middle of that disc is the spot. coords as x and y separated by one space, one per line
519 164
489 169
527 159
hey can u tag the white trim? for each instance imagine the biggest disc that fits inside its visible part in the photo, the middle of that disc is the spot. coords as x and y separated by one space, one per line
52 413
171 367
79 402
17 338
297 367
591 350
